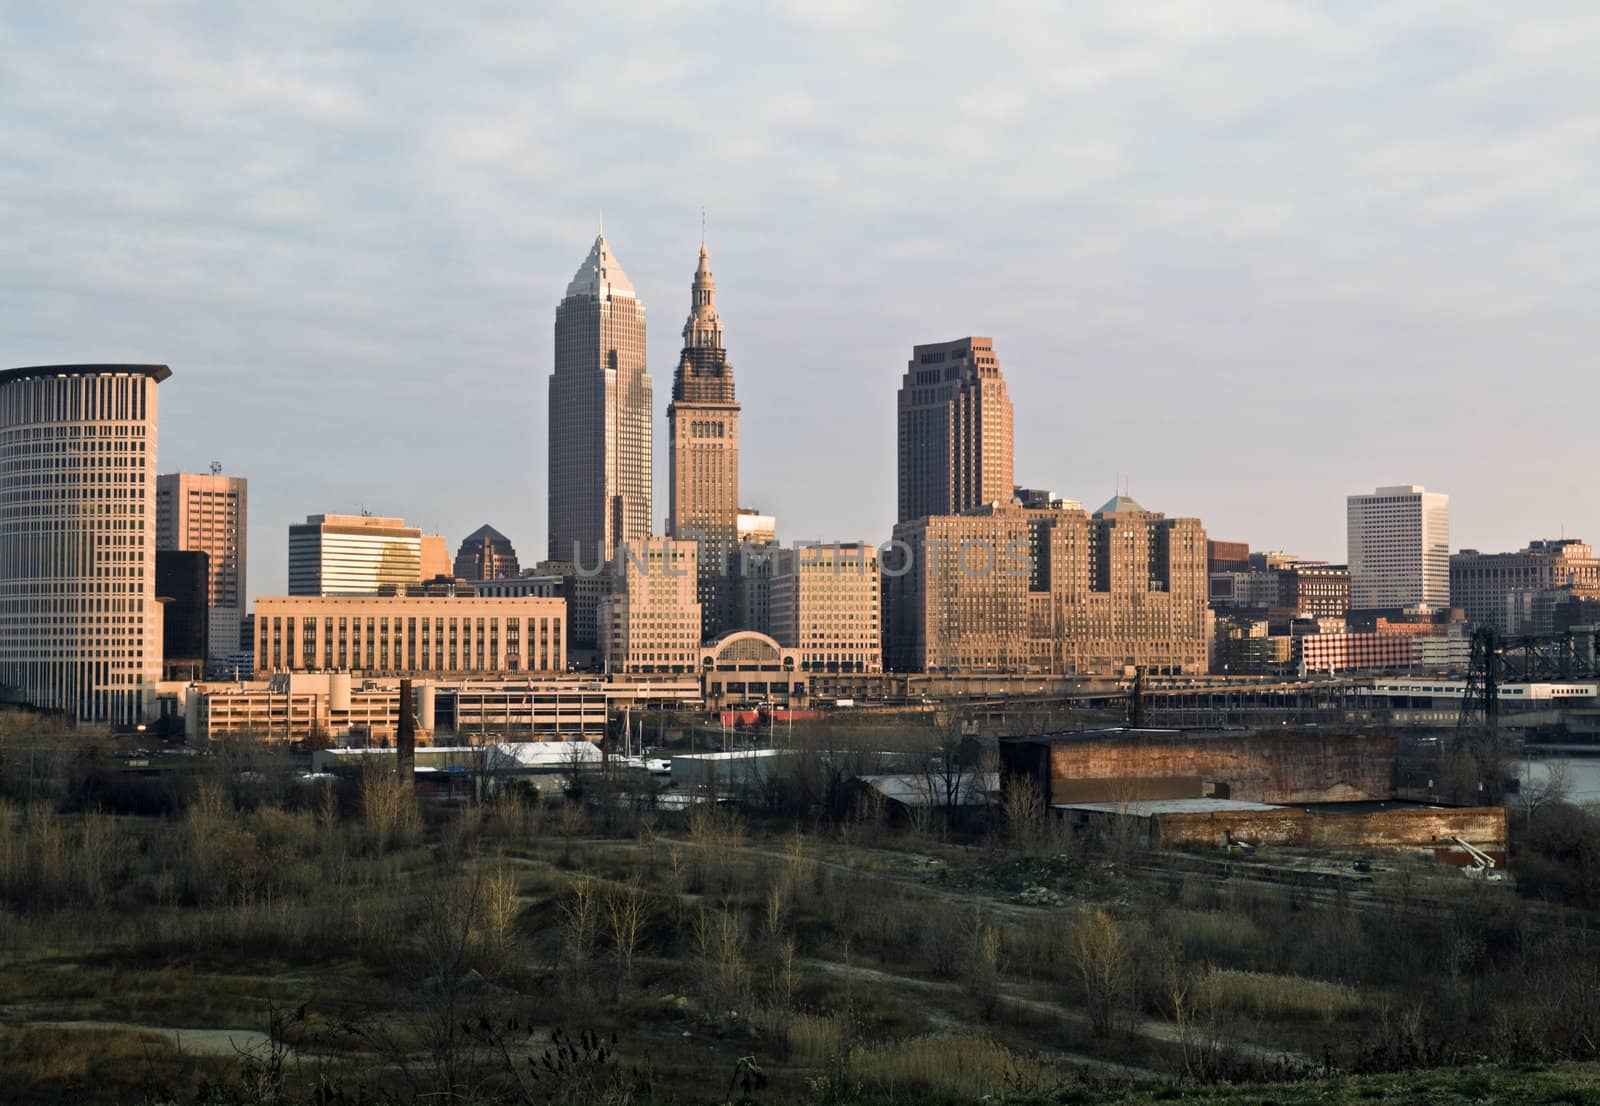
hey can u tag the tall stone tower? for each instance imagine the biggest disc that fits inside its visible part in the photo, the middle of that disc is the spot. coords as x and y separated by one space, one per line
955 430
703 422
600 428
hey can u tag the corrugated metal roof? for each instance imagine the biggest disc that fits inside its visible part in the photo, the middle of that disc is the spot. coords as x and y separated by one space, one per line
1144 808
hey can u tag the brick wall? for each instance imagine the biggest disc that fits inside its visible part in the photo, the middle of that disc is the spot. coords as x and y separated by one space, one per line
1412 828
1294 767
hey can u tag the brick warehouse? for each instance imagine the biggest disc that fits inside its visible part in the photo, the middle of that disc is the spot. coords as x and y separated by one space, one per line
1300 788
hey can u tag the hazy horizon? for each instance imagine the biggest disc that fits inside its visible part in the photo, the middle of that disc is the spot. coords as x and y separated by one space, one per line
1249 260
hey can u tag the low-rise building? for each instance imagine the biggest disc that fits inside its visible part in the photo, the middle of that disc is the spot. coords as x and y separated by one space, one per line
409 635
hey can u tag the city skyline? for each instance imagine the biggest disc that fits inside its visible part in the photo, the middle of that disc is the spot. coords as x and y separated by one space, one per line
1344 308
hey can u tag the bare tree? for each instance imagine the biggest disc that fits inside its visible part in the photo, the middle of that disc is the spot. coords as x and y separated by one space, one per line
950 762
1025 814
627 910
1103 956
1556 787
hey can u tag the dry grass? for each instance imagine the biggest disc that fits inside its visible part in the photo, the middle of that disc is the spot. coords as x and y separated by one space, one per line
967 1065
1280 996
1217 934
113 1064
816 1039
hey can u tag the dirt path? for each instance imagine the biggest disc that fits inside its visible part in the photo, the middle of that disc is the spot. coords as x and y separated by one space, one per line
1149 1028
198 1042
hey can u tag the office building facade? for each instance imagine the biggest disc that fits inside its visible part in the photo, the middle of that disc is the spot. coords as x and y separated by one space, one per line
955 442
80 628
1499 589
825 603
1009 589
404 635
1398 540
183 588
353 555
210 512
651 619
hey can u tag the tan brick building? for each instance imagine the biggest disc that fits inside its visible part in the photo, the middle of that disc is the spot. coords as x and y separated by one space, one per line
410 635
209 513
824 601
1010 589
703 456
650 622
955 442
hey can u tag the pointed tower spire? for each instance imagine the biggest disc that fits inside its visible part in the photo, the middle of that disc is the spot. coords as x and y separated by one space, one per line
703 328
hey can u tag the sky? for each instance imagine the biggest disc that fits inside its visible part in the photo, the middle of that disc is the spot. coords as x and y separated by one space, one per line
1248 256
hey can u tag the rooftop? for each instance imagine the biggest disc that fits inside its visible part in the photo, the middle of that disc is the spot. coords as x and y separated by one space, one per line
601 274
157 372
1121 504
1146 808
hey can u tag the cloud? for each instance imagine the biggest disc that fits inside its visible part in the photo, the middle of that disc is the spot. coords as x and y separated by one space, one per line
348 225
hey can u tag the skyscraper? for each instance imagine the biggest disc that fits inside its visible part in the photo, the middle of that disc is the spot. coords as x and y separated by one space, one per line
1398 539
955 430
600 416
80 628
703 422
209 513
600 431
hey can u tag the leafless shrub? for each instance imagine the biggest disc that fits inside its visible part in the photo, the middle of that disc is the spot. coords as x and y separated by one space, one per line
627 911
724 974
1103 956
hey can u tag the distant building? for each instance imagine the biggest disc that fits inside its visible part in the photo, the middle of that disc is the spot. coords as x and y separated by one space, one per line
486 554
544 585
434 556
1227 556
955 447
78 500
825 604
353 555
1499 589
600 423
1358 651
651 620
583 592
183 587
1041 499
756 528
703 424
1399 544
1251 589
210 513
409 635
758 551
746 668
1008 589
1320 591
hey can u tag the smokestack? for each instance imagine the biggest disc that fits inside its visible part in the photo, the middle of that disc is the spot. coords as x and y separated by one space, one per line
405 742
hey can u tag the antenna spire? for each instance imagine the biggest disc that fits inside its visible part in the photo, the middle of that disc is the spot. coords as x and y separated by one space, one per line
702 224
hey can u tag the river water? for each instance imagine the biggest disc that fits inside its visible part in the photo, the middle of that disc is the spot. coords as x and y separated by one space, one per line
1583 776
